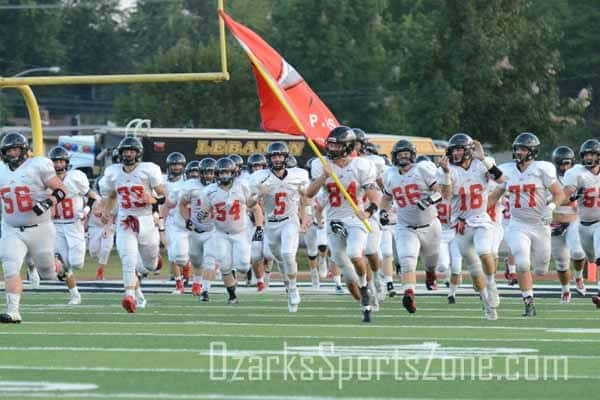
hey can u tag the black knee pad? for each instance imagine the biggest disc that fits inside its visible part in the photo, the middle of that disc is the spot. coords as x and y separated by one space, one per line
312 257
322 248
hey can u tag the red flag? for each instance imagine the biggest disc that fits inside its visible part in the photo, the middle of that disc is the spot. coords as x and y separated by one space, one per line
294 100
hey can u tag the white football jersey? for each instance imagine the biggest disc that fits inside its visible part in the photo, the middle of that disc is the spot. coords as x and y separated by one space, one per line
408 188
228 207
357 175
71 208
379 164
192 192
173 189
469 193
528 191
496 212
583 181
283 194
131 187
22 188
570 208
109 173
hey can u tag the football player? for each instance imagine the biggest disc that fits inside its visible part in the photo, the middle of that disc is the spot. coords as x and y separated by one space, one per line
281 193
229 199
582 182
464 180
68 216
200 226
529 183
566 245
413 187
26 219
133 186
345 231
175 228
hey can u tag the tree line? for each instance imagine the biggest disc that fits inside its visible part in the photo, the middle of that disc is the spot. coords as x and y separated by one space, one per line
491 68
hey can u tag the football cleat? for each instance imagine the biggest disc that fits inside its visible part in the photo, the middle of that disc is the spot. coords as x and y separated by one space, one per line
339 290
366 316
204 296
74 300
129 304
451 300
529 307
374 302
365 301
565 298
596 301
100 273
10 318
430 280
408 301
580 287
390 289
260 287
196 289
233 300
490 313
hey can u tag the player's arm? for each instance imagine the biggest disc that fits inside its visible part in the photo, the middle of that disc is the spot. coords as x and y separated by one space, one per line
58 194
558 197
445 182
318 183
108 205
495 196
374 198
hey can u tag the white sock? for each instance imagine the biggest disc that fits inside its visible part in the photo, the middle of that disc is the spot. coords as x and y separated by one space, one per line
484 293
388 279
292 283
337 279
261 279
362 280
129 292
74 291
490 279
565 288
12 302
527 293
371 286
452 289
197 279
578 274
139 293
512 268
409 286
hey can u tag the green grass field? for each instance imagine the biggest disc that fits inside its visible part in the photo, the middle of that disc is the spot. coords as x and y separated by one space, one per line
260 351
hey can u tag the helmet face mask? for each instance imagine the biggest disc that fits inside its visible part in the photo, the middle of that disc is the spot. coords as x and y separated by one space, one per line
460 148
525 147
8 149
589 153
192 170
238 161
130 150
563 158
256 162
280 151
207 170
404 153
225 171
175 164
340 142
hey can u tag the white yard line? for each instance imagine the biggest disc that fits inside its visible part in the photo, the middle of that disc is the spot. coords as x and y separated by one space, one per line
315 337
357 325
301 315
232 352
